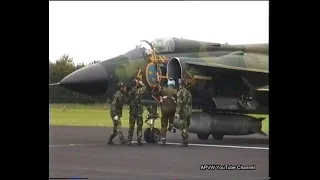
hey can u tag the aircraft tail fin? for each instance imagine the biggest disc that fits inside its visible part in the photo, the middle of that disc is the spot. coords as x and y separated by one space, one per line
258 131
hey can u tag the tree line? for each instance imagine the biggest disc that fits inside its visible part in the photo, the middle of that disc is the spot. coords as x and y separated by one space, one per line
60 69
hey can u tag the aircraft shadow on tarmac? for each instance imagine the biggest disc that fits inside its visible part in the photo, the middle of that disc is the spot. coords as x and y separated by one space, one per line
233 141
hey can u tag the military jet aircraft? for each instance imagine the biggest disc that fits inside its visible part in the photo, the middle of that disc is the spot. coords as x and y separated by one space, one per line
226 82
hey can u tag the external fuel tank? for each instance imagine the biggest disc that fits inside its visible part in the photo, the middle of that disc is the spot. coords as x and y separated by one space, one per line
226 124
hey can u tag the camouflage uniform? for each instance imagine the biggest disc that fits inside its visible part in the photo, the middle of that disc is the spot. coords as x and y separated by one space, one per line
116 114
183 112
168 108
136 112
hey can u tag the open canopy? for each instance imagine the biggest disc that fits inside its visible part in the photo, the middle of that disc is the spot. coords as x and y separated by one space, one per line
164 44
160 45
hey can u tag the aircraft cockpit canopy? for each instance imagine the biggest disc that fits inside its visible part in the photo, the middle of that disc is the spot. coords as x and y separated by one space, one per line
164 45
159 44
146 46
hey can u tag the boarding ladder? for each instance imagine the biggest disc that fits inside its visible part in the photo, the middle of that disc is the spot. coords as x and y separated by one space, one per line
160 62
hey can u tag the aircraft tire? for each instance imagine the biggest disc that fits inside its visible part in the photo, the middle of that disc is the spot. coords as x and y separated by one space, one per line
217 136
156 135
151 136
203 136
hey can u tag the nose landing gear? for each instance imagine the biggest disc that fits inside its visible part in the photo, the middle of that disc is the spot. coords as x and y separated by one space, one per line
152 134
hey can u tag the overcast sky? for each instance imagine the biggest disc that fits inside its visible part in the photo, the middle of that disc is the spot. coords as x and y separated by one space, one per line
100 30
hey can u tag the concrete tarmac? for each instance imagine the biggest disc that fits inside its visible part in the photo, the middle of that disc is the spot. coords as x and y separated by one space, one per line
82 152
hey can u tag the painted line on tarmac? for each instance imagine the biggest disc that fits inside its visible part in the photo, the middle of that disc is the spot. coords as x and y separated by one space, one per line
198 145
224 146
76 145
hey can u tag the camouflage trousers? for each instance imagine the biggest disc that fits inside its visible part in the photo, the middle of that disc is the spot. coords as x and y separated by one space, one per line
117 130
184 125
133 119
165 118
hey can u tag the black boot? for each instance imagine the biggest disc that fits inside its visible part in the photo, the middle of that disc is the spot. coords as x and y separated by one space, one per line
164 142
139 142
130 141
124 141
184 143
110 142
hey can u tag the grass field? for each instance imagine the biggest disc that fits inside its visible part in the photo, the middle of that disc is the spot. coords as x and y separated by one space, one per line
98 115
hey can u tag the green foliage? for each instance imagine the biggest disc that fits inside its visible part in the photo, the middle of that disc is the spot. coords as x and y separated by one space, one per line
57 71
87 115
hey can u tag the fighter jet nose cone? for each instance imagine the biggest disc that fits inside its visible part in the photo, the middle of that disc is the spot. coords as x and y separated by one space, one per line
91 80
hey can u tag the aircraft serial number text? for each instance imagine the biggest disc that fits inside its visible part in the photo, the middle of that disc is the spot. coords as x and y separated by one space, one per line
227 167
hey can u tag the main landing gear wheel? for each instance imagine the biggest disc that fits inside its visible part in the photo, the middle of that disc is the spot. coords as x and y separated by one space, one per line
152 135
203 136
217 136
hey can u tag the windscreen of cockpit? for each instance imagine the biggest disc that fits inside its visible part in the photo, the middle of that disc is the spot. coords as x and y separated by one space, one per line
164 45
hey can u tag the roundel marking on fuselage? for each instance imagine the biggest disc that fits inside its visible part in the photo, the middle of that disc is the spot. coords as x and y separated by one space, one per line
151 75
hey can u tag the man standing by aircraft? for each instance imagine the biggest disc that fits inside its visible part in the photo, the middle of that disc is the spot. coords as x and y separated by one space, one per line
116 113
168 97
184 110
136 109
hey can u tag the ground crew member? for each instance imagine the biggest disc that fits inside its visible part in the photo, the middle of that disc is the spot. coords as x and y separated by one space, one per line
168 107
136 109
172 85
184 110
116 113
